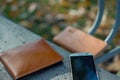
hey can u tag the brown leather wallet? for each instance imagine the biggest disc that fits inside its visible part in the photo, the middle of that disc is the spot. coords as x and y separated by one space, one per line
76 40
29 58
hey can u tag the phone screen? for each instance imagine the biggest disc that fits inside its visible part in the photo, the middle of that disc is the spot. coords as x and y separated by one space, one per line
83 68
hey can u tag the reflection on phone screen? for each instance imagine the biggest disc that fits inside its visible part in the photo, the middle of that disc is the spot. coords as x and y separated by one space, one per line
83 68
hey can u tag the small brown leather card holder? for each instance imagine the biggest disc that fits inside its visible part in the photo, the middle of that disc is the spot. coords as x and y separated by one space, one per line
29 58
76 40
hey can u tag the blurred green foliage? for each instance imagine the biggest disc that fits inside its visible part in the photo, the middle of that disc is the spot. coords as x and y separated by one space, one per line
41 16
48 17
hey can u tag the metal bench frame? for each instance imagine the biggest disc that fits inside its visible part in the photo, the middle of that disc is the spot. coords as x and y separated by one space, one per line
99 17
111 36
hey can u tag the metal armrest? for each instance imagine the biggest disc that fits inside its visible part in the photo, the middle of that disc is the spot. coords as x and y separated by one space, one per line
99 17
108 55
115 28
111 36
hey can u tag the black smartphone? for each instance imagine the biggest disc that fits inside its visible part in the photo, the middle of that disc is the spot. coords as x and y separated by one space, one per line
83 67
